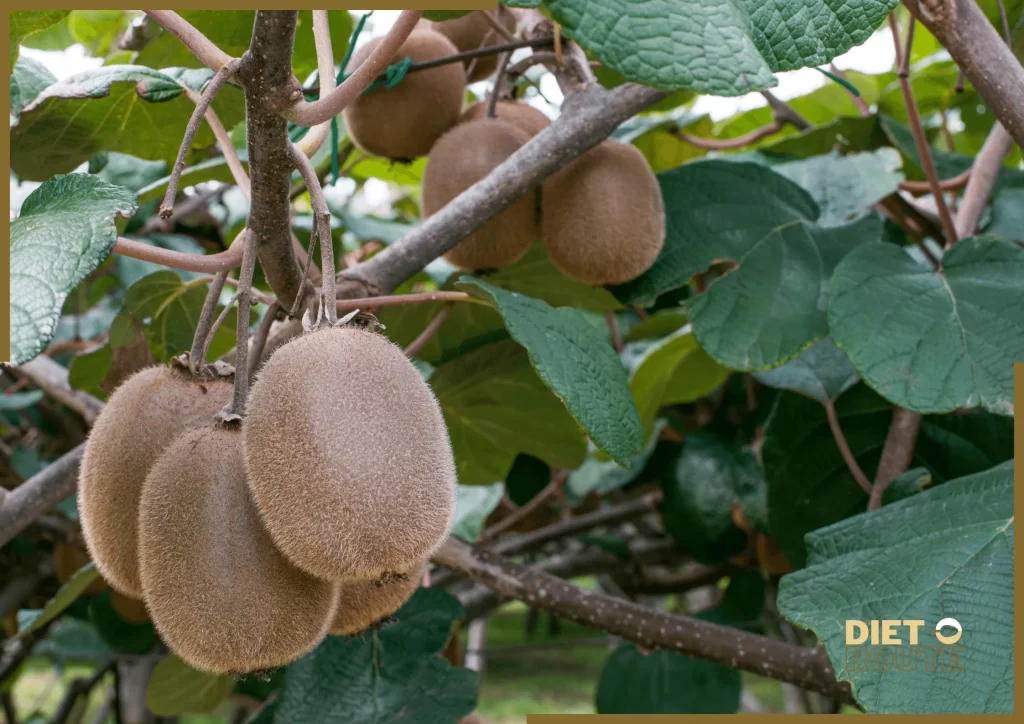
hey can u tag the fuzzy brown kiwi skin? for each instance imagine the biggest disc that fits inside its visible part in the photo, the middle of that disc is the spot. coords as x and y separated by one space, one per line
604 218
520 115
348 455
402 123
463 156
143 416
222 597
364 603
472 31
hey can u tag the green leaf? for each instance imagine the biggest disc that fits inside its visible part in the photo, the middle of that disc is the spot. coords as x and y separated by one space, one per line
382 676
496 407
476 502
172 308
577 364
844 187
73 640
927 341
947 551
65 596
843 134
710 476
660 324
65 230
909 483
675 370
603 476
20 400
175 688
29 79
126 637
88 370
127 108
26 22
231 31
722 48
131 172
822 373
468 327
662 682
526 478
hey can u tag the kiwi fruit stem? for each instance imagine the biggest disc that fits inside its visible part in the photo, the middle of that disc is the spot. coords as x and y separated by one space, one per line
321 221
233 410
197 357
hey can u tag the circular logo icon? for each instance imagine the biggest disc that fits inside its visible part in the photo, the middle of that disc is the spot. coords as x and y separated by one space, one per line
951 623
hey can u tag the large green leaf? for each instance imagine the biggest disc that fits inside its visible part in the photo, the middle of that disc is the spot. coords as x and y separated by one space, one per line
67 594
822 372
710 476
576 361
496 407
26 22
127 108
809 484
384 676
231 30
127 637
175 688
945 552
601 476
726 47
771 306
928 341
29 79
65 231
475 503
674 370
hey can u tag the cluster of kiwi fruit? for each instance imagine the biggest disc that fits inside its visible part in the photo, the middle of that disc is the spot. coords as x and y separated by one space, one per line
602 217
250 542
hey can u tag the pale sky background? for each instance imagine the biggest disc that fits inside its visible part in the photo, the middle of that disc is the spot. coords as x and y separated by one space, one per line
876 55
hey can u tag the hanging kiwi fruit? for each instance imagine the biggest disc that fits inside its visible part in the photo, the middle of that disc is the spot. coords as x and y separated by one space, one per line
521 115
604 217
143 416
463 156
403 122
364 603
221 595
472 32
348 456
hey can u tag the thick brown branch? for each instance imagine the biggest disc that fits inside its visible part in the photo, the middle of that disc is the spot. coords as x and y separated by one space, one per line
39 494
333 103
983 176
977 47
589 117
204 263
808 668
897 452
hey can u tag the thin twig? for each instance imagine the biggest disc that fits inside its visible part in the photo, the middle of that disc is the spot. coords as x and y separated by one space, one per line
429 331
203 263
725 144
521 513
261 297
316 136
785 112
949 184
539 57
613 330
215 84
499 82
1006 22
321 230
227 148
53 379
331 104
920 140
235 408
259 340
212 331
983 176
844 447
202 47
496 24
348 305
197 357
897 452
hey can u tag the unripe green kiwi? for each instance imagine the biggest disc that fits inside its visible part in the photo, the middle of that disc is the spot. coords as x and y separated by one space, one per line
221 595
139 421
603 220
520 115
472 31
402 123
348 456
463 156
364 603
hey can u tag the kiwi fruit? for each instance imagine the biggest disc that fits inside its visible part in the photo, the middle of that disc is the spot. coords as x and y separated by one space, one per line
364 603
604 217
471 32
520 115
222 597
403 122
130 609
463 156
348 456
67 560
139 421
